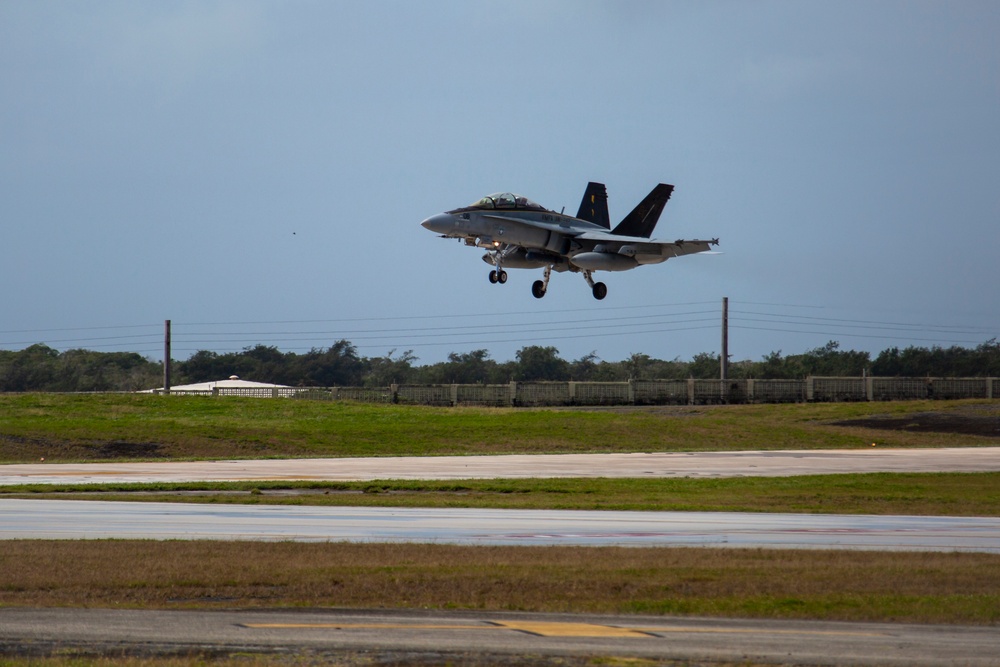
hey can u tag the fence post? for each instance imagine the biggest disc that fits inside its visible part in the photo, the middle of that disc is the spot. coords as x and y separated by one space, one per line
810 389
989 387
394 392
572 392
869 388
631 392
512 396
454 395
690 391
750 390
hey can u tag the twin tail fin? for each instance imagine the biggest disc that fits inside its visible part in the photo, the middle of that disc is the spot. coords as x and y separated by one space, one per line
594 207
643 218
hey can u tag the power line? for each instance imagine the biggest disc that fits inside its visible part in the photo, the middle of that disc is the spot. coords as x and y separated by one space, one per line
968 329
472 327
480 315
179 335
439 336
867 327
121 326
84 340
513 327
439 343
852 335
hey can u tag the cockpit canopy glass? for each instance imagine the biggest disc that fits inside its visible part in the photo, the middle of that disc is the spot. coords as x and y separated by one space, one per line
507 200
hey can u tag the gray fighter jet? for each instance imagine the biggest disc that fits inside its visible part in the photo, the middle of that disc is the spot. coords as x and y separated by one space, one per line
520 234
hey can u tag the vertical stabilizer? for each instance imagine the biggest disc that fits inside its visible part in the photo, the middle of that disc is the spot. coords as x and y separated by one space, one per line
594 207
643 218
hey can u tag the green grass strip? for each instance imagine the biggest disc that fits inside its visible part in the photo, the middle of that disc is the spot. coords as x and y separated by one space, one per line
942 494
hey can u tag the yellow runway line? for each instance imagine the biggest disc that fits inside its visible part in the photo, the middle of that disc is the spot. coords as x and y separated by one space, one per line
541 629
545 629
554 629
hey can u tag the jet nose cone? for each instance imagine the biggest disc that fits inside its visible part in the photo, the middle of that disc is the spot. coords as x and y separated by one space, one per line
442 223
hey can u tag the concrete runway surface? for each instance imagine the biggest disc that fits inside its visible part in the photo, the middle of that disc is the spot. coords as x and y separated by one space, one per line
693 464
451 636
87 519
80 519
445 636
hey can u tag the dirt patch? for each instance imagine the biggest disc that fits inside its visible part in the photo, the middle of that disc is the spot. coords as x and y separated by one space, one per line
987 426
130 450
16 448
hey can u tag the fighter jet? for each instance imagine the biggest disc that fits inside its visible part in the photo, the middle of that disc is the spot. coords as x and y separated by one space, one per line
520 234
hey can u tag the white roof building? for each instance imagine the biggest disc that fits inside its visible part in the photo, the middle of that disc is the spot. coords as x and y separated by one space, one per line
234 386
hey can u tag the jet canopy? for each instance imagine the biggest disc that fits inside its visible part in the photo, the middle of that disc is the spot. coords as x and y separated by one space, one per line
507 200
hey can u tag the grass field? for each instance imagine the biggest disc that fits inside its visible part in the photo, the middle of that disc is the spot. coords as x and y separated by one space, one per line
123 426
933 588
763 583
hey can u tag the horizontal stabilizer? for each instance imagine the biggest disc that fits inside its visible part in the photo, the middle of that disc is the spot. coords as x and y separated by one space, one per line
643 218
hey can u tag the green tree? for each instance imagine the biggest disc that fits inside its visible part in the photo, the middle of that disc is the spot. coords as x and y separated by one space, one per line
830 361
338 365
202 366
388 370
541 363
704 366
35 368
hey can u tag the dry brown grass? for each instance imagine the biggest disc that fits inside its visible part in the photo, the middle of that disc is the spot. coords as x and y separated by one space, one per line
917 587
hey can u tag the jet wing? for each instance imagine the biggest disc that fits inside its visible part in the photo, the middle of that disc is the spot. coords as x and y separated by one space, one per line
637 245
681 247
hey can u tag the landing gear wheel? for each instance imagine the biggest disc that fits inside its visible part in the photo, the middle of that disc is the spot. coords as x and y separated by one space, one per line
600 291
538 289
493 277
501 276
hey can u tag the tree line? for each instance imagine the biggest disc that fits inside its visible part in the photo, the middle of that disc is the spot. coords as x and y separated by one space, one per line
42 368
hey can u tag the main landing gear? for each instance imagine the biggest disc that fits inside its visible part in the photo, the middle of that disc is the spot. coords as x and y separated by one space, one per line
499 276
600 289
540 287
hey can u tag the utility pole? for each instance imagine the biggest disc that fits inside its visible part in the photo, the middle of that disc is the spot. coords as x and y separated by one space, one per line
724 359
166 356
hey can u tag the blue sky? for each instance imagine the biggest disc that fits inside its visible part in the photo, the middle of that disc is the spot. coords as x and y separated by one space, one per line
257 172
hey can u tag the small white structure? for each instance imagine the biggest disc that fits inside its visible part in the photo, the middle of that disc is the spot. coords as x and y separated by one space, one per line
234 386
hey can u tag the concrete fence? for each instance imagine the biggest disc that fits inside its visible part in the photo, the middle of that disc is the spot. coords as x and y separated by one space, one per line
643 392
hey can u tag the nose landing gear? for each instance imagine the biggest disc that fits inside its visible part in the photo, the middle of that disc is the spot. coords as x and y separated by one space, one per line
498 275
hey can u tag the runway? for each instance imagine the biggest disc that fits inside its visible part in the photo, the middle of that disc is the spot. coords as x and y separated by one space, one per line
450 638
673 464
74 519
88 519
